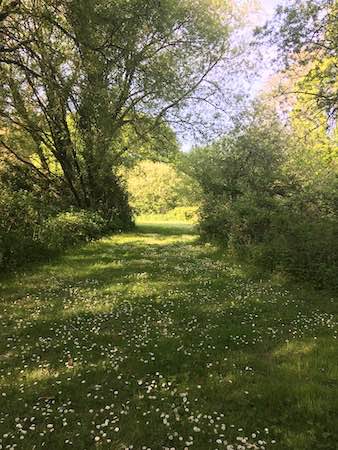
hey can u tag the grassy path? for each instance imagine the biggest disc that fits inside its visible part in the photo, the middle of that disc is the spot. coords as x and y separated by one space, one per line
152 341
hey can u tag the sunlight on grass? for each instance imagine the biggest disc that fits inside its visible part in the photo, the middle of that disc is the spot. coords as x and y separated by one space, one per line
291 349
171 346
36 375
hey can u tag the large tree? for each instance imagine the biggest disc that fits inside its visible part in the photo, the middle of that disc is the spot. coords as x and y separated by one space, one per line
305 33
88 81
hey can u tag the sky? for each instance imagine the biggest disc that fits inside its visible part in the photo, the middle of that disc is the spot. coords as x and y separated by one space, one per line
268 7
264 12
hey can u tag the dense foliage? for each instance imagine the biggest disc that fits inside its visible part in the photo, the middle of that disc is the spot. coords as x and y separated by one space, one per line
306 33
88 88
140 339
92 94
30 229
269 199
87 83
156 187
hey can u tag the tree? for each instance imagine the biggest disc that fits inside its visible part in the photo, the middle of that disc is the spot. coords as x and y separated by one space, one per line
157 187
104 68
270 194
240 174
306 34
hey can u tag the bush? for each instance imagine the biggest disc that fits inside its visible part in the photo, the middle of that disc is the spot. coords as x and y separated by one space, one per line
187 214
157 188
305 247
275 237
264 208
215 221
68 228
28 231
20 218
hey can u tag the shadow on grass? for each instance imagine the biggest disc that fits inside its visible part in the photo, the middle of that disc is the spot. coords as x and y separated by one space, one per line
141 305
143 229
149 250
291 392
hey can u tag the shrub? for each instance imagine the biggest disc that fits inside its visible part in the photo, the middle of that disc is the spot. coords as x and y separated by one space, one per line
28 230
305 247
20 218
157 188
187 214
68 228
215 221
272 237
264 208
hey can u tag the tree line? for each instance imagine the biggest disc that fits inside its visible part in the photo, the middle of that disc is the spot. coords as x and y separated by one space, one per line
94 93
87 87
270 186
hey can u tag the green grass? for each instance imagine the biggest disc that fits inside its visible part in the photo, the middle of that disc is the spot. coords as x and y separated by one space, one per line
172 347
179 215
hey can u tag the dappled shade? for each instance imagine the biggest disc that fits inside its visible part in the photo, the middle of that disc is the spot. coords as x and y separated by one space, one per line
151 339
